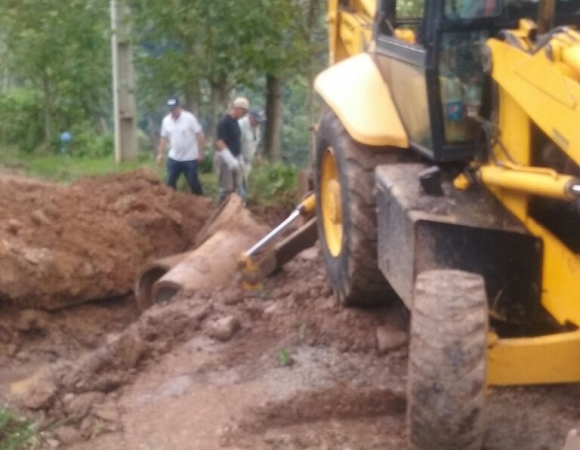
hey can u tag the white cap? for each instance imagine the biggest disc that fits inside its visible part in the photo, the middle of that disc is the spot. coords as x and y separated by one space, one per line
242 102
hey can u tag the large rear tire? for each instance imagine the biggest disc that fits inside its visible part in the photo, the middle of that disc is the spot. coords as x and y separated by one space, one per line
346 211
447 362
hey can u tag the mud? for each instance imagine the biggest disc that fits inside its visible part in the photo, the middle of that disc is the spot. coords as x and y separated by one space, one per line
61 245
283 368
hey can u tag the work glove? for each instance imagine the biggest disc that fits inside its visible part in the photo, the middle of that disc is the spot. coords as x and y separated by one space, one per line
229 159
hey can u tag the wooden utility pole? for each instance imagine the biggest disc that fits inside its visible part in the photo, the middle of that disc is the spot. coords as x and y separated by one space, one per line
126 144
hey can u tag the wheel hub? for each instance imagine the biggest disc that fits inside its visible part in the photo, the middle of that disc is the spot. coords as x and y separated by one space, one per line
334 206
330 192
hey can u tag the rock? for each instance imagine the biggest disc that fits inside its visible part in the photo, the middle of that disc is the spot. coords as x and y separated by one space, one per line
68 435
22 356
39 217
12 349
53 443
32 320
223 329
80 406
329 303
390 339
271 310
35 392
89 427
52 211
14 226
107 412
68 397
127 348
573 440
6 334
310 254
234 298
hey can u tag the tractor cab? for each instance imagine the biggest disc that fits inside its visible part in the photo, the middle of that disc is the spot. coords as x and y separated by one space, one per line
431 54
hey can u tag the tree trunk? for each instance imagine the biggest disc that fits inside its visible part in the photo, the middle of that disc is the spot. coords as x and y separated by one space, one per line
217 108
273 140
192 96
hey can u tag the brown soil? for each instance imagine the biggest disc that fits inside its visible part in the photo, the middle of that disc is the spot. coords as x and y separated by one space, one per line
69 244
286 368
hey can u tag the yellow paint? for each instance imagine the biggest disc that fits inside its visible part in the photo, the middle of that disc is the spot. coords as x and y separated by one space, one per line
350 29
461 182
308 205
545 183
251 274
540 88
536 360
534 87
560 278
331 202
355 90
405 35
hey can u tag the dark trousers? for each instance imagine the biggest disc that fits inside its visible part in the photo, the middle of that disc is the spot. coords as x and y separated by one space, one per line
189 169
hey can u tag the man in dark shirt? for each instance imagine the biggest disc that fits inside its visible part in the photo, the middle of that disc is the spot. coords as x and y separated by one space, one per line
229 147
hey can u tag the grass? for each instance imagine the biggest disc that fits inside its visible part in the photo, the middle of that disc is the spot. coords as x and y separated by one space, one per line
54 167
270 184
284 358
17 433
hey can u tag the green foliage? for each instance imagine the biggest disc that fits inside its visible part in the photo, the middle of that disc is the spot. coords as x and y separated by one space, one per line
207 165
296 127
284 358
410 9
55 65
273 184
21 118
62 51
86 142
17 433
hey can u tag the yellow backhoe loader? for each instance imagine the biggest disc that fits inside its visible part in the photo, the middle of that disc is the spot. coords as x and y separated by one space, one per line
447 174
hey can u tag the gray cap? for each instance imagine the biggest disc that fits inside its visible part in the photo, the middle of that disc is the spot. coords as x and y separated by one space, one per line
257 114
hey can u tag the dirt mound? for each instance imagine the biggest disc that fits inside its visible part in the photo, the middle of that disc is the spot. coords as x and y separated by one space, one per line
61 245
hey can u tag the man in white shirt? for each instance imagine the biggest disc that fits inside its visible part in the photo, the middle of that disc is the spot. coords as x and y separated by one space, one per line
186 139
250 138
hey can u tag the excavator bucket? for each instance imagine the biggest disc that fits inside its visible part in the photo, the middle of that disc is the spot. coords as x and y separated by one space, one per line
266 257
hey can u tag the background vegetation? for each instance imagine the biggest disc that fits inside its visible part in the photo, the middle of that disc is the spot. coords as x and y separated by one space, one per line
56 74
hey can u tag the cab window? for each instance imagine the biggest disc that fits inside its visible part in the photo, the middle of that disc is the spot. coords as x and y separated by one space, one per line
406 25
472 9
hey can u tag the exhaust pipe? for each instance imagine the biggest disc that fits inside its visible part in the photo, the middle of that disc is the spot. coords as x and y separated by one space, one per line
546 15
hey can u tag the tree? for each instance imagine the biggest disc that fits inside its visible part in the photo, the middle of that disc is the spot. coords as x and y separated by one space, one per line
204 50
61 49
195 48
285 45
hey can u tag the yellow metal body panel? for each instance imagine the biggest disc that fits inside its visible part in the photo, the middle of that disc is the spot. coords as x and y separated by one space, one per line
349 30
355 90
533 88
539 87
537 360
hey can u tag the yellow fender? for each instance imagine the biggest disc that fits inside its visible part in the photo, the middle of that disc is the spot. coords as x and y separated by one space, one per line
355 90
